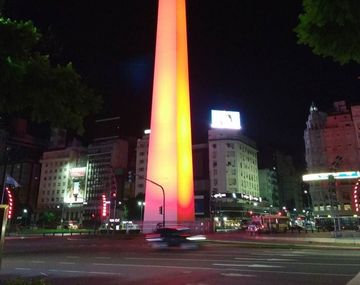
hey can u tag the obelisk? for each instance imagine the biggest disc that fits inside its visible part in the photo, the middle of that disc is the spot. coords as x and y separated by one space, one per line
170 147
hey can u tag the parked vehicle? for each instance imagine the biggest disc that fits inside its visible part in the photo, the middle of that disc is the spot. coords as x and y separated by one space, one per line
70 225
174 237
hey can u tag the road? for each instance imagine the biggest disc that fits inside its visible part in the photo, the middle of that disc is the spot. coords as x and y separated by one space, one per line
90 260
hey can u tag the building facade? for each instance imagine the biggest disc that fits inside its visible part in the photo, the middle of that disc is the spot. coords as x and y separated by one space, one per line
332 144
268 185
234 179
63 183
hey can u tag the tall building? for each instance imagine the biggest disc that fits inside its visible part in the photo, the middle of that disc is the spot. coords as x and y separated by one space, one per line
289 183
107 173
63 183
234 179
232 163
268 186
142 149
332 145
201 180
20 152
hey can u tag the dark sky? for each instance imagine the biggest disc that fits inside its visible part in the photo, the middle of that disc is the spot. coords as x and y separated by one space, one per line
243 56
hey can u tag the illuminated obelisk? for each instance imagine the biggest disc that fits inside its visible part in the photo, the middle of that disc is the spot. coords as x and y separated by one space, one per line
170 148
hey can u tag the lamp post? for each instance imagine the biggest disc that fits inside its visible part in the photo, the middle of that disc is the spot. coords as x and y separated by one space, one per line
163 192
141 204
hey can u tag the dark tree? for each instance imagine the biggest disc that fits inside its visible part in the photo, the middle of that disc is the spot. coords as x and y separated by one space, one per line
331 28
31 86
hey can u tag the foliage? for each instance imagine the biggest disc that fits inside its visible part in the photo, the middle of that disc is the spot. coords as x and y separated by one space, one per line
47 219
331 28
32 86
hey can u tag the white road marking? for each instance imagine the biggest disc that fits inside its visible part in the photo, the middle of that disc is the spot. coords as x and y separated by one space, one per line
37 261
102 257
87 272
22 268
237 275
73 256
279 259
64 262
154 266
248 265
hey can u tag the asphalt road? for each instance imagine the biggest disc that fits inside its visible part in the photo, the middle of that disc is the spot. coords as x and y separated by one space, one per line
83 260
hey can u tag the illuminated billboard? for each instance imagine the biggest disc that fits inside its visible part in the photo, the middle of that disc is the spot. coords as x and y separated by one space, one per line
337 175
75 191
225 120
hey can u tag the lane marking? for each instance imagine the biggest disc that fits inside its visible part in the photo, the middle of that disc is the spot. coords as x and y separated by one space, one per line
154 266
237 275
248 265
102 257
37 261
87 272
72 256
64 262
22 268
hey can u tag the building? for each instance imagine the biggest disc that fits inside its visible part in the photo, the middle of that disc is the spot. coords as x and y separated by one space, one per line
234 179
332 145
268 186
20 152
201 180
289 183
63 183
142 149
107 174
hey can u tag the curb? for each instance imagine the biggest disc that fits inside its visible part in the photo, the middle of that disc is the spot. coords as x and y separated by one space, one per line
256 244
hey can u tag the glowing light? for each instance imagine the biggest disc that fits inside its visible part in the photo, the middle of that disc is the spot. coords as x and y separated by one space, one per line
170 147
225 120
337 175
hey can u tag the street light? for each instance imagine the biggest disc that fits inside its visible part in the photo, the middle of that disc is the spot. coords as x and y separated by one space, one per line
163 192
141 204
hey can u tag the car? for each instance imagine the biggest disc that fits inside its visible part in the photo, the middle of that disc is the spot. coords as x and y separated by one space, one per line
70 225
178 236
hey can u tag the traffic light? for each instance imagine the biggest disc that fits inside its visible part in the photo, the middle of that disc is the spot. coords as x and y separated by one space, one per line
160 210
113 195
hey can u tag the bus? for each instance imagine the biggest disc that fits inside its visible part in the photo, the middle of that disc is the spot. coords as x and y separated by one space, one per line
270 223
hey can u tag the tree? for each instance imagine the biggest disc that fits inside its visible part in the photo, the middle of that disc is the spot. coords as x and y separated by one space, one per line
31 86
331 28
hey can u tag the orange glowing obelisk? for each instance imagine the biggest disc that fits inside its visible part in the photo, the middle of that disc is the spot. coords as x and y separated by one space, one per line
170 148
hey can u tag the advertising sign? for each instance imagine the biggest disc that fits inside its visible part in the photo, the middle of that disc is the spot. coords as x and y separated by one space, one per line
225 120
76 186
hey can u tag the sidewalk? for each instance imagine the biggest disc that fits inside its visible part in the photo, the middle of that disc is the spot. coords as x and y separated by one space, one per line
315 239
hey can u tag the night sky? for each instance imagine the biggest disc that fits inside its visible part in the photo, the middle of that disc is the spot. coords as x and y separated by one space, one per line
243 56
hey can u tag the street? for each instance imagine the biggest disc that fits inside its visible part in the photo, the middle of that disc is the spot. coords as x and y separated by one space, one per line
104 260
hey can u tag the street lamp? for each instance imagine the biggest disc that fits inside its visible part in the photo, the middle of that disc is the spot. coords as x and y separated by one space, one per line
163 192
62 213
141 204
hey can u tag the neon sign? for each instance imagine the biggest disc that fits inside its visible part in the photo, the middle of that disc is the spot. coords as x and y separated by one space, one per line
337 175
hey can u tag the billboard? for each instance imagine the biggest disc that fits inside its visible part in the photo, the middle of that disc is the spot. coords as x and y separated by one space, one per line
75 192
337 175
225 120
